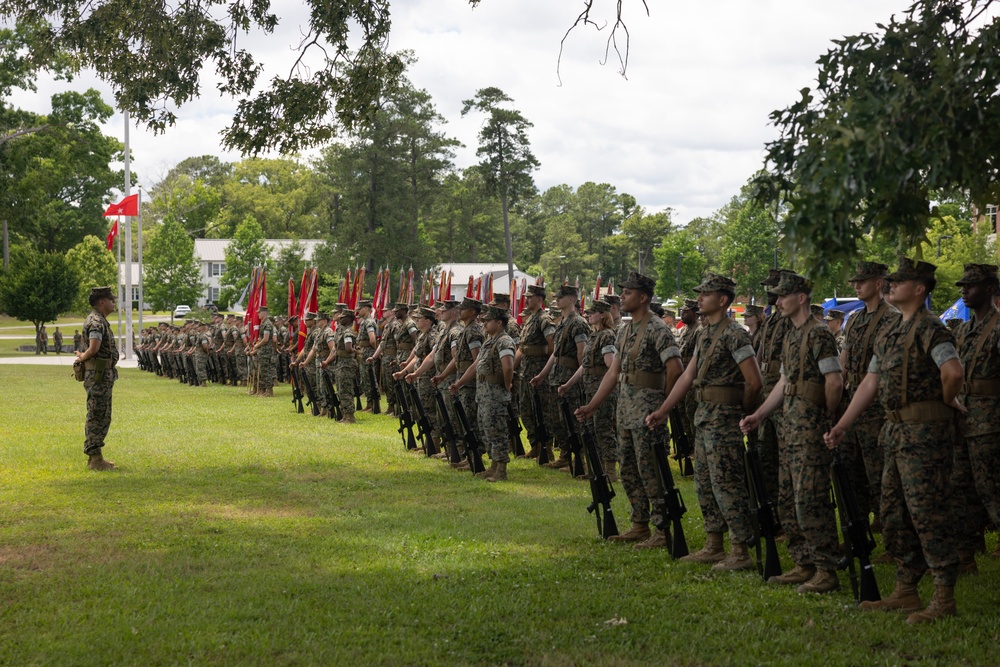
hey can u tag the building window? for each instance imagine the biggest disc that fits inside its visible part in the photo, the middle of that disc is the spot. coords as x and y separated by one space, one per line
991 215
213 294
216 269
135 293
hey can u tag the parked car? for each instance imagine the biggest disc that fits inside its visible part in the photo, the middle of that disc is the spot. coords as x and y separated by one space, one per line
181 311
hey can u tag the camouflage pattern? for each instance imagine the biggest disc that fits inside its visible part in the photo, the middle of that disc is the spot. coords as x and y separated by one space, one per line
719 470
99 393
365 327
470 337
569 332
769 348
323 338
426 343
388 360
514 331
239 335
202 341
534 331
266 356
635 440
918 520
404 340
345 369
492 398
442 357
804 506
310 369
686 343
603 420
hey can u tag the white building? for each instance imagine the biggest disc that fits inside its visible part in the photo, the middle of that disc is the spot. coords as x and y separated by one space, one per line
498 270
211 255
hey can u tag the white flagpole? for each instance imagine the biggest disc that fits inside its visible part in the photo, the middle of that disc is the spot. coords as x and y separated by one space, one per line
140 257
118 241
128 251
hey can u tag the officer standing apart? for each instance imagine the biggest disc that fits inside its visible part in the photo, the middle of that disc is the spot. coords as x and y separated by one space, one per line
99 361
727 385
917 375
809 392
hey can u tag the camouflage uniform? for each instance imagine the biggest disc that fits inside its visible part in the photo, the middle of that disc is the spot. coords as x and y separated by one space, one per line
310 369
442 357
240 336
534 353
266 356
689 404
321 345
345 369
804 506
917 513
570 332
99 390
388 361
201 341
404 341
594 369
719 471
769 350
643 349
492 396
470 338
365 327
426 344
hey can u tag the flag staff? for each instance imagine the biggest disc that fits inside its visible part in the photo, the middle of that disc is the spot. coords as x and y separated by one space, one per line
127 347
139 188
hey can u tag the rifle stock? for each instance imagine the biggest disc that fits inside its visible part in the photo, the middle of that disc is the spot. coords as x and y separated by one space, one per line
405 429
601 491
767 524
310 392
857 534
540 428
376 396
423 423
296 392
673 503
446 427
514 428
472 444
683 448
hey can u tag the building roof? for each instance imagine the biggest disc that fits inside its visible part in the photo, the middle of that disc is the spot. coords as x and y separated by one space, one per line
214 250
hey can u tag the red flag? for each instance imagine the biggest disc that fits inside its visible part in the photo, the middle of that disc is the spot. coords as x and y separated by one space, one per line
451 274
468 290
127 206
292 306
409 287
597 288
112 234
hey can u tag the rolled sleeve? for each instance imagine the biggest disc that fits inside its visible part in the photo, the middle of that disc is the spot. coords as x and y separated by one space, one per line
743 353
475 345
96 335
943 353
829 365
507 352
609 349
669 353
873 365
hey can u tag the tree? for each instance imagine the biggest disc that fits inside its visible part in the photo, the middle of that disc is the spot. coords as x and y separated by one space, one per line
749 244
38 286
896 115
94 265
290 263
567 256
960 245
246 251
678 245
641 233
172 274
507 159
191 194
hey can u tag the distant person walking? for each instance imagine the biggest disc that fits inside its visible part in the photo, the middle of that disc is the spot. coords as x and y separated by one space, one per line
77 341
57 340
43 340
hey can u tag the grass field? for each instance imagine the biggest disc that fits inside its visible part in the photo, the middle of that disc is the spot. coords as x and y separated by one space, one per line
238 532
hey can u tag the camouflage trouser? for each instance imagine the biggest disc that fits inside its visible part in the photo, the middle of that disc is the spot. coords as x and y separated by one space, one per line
863 456
449 409
975 483
309 370
345 372
603 420
98 410
688 407
241 366
425 390
493 431
201 367
467 395
638 473
385 378
553 416
530 367
918 520
804 505
769 440
366 378
720 471
267 362
319 384
515 393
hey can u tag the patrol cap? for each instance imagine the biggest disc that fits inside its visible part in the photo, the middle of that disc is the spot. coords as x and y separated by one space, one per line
713 282
345 314
365 303
322 316
310 316
834 315
816 309
495 313
773 276
977 273
910 270
449 303
262 309
690 304
400 306
792 283
637 281
500 299
536 290
612 299
669 313
598 307
868 270
469 302
567 290
752 311
657 309
97 293
424 311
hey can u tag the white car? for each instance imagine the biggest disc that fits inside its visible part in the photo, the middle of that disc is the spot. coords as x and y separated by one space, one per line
181 311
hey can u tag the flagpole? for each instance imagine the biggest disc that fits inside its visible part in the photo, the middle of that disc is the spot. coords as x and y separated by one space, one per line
118 242
139 188
128 250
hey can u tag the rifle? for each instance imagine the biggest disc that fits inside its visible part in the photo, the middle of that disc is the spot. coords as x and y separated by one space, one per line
423 423
673 503
333 409
166 365
446 428
211 373
310 392
682 444
192 372
357 395
601 491
472 444
233 375
857 534
405 420
763 508
514 428
540 428
376 396
181 367
296 393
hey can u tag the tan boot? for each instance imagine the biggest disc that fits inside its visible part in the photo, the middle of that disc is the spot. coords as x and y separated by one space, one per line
609 470
499 475
712 552
464 465
903 598
486 473
348 419
561 462
268 393
942 604
738 559
637 533
967 561
368 407
824 581
97 462
658 540
797 575
885 559
532 451
323 412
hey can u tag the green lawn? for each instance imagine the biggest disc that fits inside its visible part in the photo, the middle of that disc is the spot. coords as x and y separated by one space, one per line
238 532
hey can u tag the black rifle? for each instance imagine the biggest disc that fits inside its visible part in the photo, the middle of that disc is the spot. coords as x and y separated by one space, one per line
333 409
682 443
231 363
357 395
310 392
211 373
279 365
472 444
673 503
405 429
601 491
296 393
542 431
446 428
764 511
423 423
181 367
376 397
192 373
857 534
166 365
514 428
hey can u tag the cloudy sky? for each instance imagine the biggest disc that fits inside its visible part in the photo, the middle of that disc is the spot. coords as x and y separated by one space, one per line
685 130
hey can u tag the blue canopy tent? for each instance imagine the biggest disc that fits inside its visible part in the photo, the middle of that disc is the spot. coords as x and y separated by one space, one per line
957 310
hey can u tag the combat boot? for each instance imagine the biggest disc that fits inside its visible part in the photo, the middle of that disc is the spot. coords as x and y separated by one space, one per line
824 581
532 451
464 465
499 475
885 559
97 462
738 559
903 598
323 412
712 552
609 470
658 540
368 406
799 574
637 533
348 419
942 604
269 393
561 462
967 562
486 473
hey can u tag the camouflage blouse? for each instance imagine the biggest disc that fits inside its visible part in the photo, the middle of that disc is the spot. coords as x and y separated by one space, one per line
984 411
